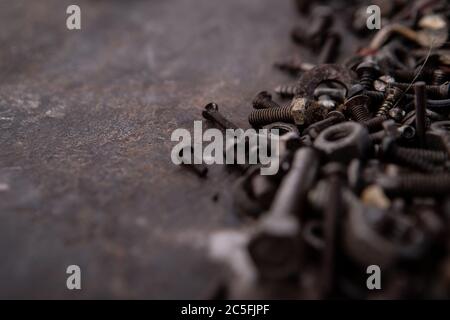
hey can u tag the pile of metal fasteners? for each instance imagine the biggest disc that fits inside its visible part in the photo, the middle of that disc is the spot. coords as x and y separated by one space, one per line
366 183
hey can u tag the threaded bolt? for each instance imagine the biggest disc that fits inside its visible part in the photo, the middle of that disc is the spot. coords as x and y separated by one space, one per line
393 95
300 112
411 158
286 91
434 156
441 92
368 72
375 124
357 109
266 116
416 185
439 77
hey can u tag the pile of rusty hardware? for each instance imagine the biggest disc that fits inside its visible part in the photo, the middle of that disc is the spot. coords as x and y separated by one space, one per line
364 184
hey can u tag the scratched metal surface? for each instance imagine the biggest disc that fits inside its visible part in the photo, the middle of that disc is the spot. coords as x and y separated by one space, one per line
85 124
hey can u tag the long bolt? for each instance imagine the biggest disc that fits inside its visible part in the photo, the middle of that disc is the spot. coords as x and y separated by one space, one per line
406 157
424 154
420 104
416 185
333 217
309 112
442 91
266 116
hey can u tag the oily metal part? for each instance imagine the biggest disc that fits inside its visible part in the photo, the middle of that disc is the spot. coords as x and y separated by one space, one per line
310 80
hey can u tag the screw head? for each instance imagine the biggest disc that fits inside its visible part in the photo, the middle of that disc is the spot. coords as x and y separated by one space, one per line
397 114
370 66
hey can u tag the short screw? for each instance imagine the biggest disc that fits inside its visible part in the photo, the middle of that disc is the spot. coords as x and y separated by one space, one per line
368 71
393 96
356 107
211 112
375 124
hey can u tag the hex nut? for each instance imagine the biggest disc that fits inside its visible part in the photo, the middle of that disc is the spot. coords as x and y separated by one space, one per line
344 142
298 108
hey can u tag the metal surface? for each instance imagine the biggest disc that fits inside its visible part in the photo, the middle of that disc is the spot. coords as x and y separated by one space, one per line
85 124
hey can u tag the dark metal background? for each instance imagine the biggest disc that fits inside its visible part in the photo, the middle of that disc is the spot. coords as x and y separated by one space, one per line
85 124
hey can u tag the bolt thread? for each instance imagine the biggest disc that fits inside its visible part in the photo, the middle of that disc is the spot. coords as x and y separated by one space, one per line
375 124
393 95
439 77
375 96
432 90
412 159
286 91
359 113
419 185
426 155
266 116
409 75
367 79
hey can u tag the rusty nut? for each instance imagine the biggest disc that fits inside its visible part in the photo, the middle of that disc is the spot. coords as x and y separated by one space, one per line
344 142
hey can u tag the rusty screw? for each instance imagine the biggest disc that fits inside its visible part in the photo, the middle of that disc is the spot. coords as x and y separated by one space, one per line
393 95
357 108
211 112
368 71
